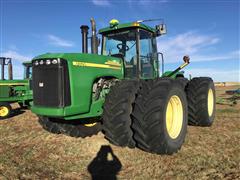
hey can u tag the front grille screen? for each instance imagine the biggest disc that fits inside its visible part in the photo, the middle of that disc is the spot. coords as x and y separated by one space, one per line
51 85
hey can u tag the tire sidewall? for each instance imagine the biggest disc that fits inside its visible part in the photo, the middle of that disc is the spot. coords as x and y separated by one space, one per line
177 142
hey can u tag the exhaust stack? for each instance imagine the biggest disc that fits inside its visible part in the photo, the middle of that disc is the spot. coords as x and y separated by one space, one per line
10 71
6 61
84 30
2 63
94 39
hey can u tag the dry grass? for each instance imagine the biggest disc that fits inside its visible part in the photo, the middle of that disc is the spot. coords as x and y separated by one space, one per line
29 152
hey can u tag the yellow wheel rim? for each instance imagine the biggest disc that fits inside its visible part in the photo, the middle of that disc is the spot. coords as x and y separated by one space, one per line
174 117
3 111
90 124
210 102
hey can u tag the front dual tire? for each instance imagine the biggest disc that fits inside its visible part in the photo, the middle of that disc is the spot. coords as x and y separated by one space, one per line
151 115
118 108
160 116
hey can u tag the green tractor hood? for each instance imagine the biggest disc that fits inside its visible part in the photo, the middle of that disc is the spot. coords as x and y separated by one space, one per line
83 71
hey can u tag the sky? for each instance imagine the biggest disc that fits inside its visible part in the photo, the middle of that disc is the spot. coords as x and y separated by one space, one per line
207 31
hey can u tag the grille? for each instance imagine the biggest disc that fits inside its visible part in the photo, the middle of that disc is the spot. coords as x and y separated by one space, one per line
51 84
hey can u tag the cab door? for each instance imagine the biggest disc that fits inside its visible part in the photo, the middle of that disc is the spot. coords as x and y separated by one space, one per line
147 55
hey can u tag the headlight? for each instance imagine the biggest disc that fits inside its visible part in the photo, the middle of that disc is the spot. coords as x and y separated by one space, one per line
55 61
36 63
48 62
41 62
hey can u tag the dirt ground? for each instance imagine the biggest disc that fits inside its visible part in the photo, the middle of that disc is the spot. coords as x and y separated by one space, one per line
29 152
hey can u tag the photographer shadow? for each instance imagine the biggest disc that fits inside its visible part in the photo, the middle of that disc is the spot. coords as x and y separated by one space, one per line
105 165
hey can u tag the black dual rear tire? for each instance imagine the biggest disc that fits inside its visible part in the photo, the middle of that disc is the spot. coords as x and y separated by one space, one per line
201 107
70 128
150 120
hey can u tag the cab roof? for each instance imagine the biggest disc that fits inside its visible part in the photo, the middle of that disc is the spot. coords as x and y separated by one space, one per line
126 26
27 62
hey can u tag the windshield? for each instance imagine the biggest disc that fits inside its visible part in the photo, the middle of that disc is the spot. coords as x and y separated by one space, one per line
122 44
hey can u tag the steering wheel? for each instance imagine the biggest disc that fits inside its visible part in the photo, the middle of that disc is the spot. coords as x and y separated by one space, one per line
122 46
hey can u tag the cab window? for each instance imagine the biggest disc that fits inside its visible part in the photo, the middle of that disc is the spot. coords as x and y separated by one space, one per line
122 44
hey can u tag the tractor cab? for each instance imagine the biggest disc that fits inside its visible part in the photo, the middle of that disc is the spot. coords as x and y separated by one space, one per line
135 43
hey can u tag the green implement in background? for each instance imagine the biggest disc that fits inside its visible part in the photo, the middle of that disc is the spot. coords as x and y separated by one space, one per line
14 91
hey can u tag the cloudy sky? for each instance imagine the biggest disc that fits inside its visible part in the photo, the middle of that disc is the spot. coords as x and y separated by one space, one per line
208 31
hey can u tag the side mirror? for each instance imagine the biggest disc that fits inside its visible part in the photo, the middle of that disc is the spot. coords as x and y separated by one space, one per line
161 29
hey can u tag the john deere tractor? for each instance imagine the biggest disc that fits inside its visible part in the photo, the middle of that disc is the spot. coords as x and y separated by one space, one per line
121 91
14 91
